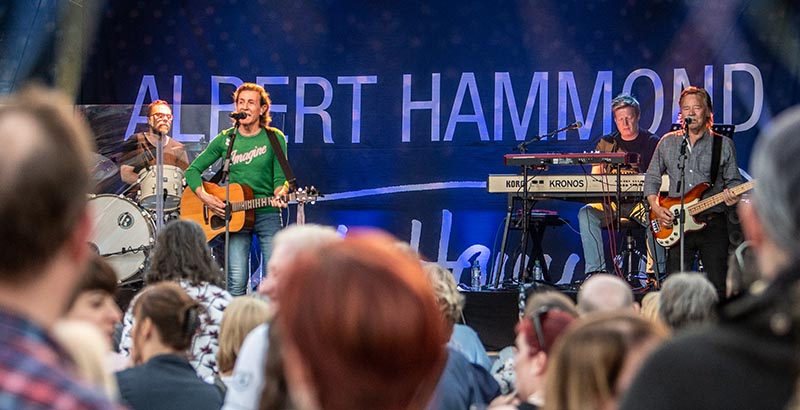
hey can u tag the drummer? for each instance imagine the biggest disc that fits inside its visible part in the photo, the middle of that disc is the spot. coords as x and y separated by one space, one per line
139 150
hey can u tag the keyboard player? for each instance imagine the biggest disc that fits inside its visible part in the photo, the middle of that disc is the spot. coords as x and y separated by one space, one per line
594 216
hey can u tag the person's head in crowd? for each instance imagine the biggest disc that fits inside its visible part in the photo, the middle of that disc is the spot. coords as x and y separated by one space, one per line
87 347
241 316
93 298
165 321
181 253
160 117
449 299
361 328
44 187
537 334
742 271
604 293
687 299
552 299
286 245
771 221
595 360
650 303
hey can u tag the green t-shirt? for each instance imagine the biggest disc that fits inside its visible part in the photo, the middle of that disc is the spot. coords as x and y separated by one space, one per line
253 163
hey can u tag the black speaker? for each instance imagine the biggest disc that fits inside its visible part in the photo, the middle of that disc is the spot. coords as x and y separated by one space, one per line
735 234
493 315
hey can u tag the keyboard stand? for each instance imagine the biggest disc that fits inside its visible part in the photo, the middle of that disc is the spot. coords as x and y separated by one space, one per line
538 222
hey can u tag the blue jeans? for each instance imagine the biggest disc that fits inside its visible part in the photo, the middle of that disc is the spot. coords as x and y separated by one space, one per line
265 227
593 217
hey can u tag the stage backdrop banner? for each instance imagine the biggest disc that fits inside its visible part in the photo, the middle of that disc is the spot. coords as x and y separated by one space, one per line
399 112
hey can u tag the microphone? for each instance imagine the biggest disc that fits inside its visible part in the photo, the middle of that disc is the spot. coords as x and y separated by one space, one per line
236 115
688 120
573 126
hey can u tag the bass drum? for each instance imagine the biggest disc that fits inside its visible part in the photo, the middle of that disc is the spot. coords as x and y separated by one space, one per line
123 233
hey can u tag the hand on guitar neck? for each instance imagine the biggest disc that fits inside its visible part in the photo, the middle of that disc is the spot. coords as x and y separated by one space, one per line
279 201
729 197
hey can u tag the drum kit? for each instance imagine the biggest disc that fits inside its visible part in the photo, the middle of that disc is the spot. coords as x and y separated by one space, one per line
124 230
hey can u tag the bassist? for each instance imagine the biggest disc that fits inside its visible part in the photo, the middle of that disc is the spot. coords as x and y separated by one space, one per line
253 163
711 242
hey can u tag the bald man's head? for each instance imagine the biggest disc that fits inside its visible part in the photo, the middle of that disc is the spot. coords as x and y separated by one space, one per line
603 293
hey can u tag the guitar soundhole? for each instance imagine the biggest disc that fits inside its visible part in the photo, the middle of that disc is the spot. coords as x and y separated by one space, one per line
216 222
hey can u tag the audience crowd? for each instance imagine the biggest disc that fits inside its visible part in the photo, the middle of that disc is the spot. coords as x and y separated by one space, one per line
358 322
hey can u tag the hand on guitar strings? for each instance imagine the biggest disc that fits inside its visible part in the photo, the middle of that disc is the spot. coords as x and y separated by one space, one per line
216 205
663 215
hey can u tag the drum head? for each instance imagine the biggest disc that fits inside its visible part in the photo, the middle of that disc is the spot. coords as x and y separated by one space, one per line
173 183
123 234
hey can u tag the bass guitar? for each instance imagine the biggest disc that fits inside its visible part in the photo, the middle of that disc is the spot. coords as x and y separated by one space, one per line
242 206
669 236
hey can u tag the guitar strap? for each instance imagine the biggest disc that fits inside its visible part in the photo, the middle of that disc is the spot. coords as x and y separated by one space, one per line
716 152
287 170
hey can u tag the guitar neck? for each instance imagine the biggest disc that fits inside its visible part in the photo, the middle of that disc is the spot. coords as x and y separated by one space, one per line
717 199
251 204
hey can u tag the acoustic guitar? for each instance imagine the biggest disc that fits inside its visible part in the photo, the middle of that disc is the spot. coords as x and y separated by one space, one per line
242 206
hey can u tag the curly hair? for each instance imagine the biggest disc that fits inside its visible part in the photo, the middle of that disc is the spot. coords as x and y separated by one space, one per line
181 252
265 119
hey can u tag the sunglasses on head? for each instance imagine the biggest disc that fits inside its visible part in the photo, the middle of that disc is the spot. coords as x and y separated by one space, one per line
536 318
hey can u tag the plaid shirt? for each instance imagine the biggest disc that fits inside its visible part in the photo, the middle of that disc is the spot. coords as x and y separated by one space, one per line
33 371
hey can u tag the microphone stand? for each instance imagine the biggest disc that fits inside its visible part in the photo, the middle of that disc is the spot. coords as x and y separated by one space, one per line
681 182
159 182
226 166
526 213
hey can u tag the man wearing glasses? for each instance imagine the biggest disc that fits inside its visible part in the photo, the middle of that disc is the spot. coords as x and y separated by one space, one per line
139 151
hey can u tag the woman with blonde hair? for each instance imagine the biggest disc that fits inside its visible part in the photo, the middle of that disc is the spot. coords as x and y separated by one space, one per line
241 316
596 359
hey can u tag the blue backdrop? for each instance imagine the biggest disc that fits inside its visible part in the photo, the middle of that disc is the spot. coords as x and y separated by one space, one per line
398 111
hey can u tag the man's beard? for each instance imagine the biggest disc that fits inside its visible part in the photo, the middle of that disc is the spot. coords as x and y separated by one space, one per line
156 129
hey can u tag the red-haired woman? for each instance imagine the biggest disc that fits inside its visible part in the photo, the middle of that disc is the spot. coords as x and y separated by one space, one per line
361 328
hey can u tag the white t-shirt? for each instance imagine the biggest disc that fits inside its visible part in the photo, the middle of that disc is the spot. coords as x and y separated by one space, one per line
247 380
